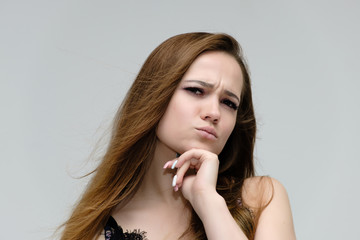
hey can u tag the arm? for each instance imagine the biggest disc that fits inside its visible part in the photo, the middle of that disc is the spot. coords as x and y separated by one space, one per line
200 190
275 221
216 218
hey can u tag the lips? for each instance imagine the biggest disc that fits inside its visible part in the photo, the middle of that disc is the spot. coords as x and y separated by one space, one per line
208 130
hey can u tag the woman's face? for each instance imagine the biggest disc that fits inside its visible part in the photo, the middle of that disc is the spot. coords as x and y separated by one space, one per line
202 111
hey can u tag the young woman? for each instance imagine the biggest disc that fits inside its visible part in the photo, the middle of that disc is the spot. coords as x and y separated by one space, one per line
180 160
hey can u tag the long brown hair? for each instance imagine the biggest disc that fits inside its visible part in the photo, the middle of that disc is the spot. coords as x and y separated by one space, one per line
133 138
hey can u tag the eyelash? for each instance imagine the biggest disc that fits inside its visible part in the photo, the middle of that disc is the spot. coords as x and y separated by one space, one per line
195 90
199 92
230 104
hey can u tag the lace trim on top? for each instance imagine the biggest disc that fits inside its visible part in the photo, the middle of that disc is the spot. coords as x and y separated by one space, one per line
114 232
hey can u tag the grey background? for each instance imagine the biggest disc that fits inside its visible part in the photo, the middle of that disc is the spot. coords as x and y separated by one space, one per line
66 65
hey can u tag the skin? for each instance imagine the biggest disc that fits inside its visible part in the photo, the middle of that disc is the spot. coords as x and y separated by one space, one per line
197 124
205 97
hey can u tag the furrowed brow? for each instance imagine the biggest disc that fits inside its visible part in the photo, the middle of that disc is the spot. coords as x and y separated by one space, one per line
202 83
209 85
231 94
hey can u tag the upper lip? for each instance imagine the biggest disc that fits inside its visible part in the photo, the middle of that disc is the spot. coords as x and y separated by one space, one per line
208 129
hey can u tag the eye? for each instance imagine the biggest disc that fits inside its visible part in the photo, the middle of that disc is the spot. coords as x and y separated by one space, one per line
195 90
230 104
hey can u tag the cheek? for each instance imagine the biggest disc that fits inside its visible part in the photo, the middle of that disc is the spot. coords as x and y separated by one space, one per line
179 110
230 118
232 126
228 128
172 120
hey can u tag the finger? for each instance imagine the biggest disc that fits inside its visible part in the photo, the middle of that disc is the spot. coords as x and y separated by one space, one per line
181 160
184 163
170 164
194 155
178 178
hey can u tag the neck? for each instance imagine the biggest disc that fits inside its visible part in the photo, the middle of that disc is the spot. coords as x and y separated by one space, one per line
156 185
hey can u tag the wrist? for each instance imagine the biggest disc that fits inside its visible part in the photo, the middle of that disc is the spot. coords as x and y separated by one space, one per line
206 203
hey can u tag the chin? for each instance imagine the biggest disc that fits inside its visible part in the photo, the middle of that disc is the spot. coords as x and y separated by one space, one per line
203 146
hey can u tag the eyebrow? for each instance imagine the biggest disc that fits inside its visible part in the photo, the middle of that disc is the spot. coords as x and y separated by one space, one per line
209 85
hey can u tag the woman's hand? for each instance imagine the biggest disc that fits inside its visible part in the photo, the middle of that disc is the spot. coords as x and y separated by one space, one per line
199 188
196 176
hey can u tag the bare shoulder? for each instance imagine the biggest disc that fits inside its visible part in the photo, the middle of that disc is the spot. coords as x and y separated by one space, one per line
257 191
261 190
274 217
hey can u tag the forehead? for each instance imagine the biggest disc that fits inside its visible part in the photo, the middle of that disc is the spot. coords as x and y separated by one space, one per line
216 67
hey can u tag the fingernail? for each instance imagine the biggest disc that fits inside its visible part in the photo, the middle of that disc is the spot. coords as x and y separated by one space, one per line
173 166
174 181
166 165
176 188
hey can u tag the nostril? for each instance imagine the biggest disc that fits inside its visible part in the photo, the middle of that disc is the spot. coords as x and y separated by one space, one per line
211 118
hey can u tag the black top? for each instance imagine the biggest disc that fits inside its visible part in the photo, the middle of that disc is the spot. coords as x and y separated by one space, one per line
114 232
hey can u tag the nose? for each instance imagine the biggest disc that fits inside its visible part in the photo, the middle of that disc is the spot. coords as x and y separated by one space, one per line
211 111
